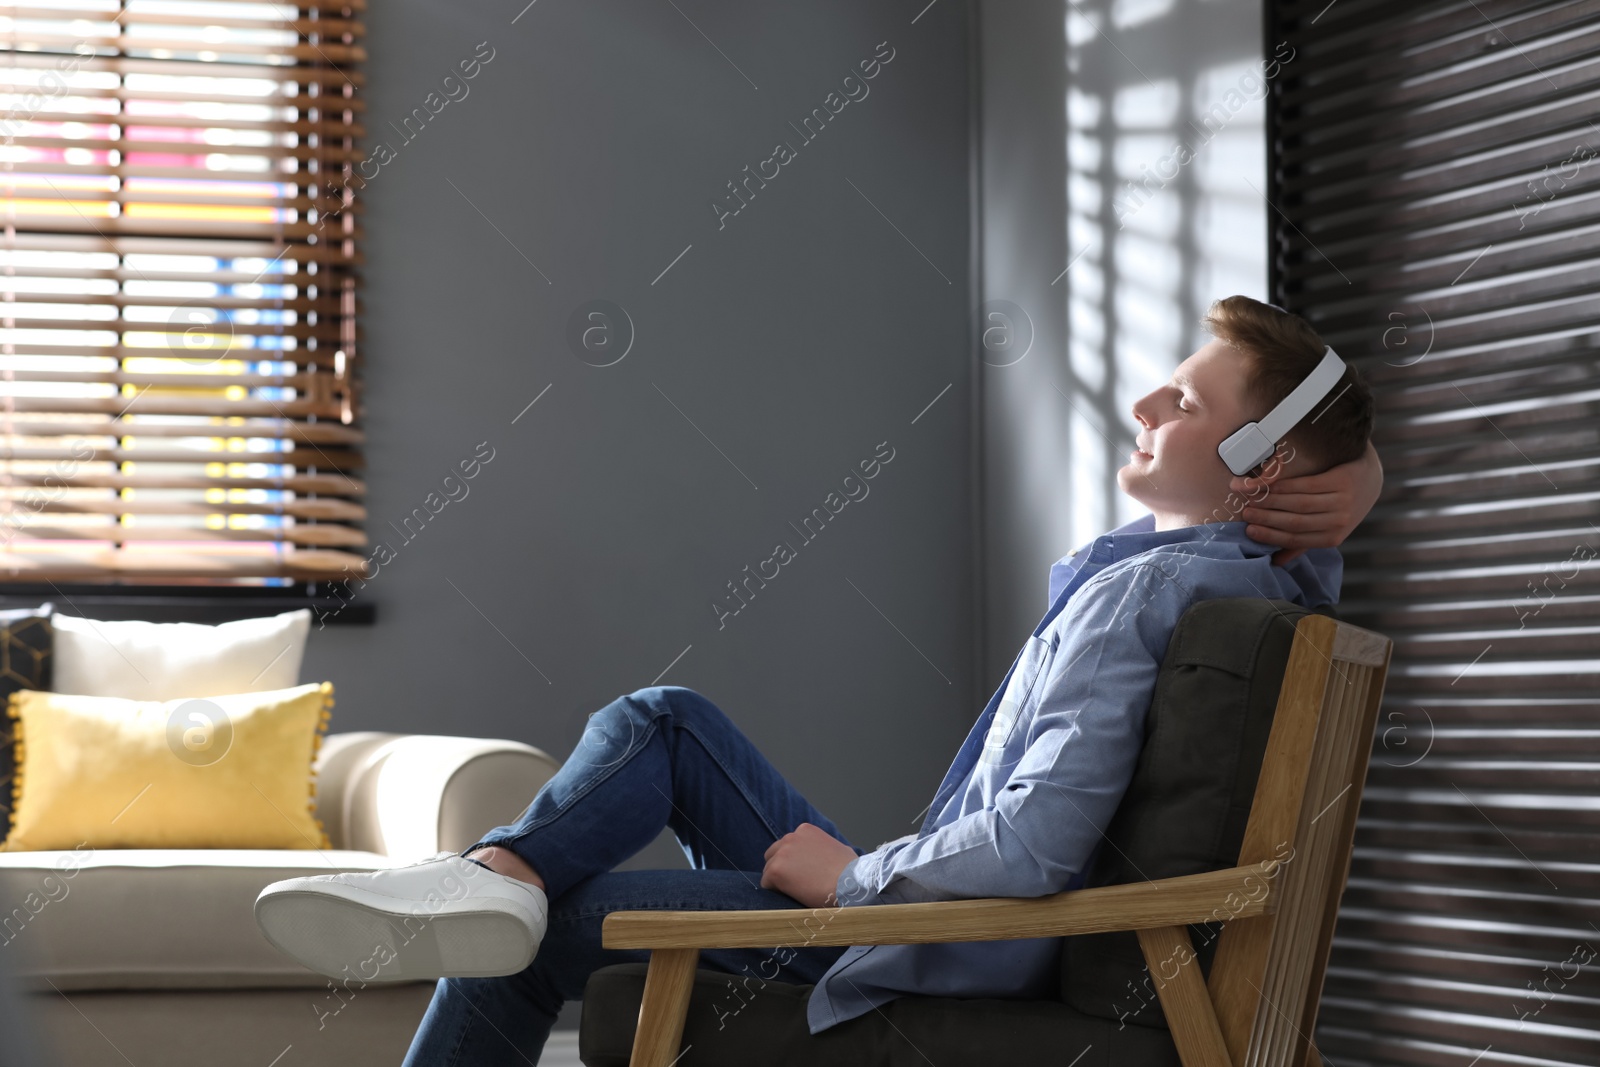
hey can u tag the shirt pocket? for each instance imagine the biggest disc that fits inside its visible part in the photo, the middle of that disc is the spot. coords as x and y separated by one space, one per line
1019 700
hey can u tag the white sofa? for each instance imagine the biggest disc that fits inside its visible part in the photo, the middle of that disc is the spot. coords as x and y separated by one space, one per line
153 957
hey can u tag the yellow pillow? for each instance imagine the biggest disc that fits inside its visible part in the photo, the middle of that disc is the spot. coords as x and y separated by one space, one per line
215 772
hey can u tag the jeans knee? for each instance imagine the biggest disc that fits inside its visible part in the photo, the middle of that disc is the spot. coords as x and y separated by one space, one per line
685 706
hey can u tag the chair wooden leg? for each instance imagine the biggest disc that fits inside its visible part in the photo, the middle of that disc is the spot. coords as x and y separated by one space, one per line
1192 1018
667 985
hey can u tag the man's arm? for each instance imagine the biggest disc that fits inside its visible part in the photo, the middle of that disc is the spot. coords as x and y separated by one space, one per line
1082 745
1315 510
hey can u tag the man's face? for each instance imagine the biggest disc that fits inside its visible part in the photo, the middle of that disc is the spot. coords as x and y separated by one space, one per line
1176 472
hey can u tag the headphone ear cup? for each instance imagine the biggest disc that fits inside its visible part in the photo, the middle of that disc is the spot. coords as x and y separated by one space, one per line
1245 449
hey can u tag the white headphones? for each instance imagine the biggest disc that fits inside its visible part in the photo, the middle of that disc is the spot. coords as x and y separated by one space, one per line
1253 442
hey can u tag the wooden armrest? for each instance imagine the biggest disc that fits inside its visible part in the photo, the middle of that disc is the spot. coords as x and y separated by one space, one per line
1235 893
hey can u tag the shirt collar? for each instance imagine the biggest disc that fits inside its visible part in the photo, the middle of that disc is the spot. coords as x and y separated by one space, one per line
1317 572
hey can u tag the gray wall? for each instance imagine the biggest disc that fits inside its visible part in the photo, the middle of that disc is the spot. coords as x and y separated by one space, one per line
819 321
778 352
1077 100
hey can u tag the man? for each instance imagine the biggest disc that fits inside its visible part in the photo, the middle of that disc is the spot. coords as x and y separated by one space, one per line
515 928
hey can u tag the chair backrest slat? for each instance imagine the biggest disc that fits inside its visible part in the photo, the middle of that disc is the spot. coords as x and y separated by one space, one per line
1376 673
1267 973
1307 893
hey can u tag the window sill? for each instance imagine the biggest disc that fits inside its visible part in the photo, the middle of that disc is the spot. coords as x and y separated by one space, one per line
181 603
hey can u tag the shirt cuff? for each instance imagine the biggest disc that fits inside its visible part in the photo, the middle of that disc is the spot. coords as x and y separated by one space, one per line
856 881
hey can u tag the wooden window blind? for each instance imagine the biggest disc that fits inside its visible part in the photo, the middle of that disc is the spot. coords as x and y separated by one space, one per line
178 346
1435 191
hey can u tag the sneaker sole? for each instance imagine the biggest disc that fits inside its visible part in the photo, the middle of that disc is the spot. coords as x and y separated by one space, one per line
344 932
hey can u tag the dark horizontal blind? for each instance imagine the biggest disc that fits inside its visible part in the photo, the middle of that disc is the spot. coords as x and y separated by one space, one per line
1435 194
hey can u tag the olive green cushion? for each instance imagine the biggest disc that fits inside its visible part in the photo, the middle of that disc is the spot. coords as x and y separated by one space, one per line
1186 807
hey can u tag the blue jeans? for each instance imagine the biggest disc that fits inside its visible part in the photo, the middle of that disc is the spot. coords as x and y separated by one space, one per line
663 756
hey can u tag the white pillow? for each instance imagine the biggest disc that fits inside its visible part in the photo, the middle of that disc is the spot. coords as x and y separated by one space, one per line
173 660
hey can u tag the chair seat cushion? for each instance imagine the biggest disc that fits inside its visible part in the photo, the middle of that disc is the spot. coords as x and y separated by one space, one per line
152 918
737 1022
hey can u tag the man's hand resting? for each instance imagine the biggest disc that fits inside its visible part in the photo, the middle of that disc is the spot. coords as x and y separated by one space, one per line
1314 511
806 865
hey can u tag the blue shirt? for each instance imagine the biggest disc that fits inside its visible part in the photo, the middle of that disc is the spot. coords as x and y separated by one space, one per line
1021 809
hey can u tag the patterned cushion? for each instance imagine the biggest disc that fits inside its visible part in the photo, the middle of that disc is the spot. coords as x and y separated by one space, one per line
26 643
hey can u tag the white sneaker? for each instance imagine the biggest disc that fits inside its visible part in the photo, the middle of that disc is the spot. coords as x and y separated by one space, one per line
447 917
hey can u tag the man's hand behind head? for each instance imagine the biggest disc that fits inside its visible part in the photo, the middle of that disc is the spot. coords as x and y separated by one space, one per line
1312 511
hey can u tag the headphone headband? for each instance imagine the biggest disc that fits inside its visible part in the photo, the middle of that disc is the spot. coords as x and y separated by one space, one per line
1253 442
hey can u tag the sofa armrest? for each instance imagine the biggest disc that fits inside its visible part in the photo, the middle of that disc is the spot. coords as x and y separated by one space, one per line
335 765
411 795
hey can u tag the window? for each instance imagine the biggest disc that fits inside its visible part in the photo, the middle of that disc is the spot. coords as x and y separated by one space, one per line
1435 176
179 402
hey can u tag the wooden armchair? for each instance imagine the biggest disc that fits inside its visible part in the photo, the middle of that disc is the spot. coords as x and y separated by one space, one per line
1257 1005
